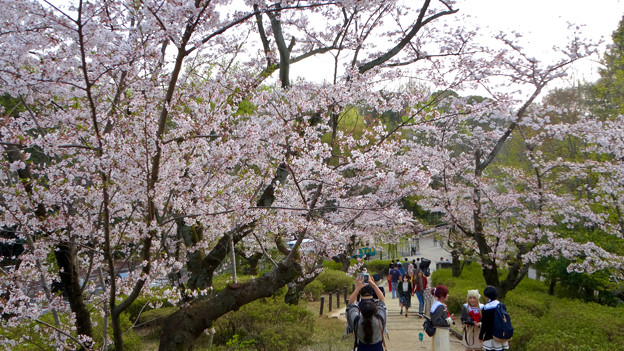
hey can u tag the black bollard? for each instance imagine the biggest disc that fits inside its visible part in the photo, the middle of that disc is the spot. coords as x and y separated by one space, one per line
322 304
345 294
330 302
338 299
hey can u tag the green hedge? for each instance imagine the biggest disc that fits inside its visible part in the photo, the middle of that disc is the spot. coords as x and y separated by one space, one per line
377 266
335 280
541 321
267 324
330 264
315 287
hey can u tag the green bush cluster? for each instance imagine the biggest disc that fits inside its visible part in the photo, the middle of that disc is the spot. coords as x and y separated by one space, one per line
334 280
32 331
541 321
337 266
329 264
144 304
377 266
316 288
267 324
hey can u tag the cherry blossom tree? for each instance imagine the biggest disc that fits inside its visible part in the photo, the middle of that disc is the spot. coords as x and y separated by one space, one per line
507 213
161 136
128 144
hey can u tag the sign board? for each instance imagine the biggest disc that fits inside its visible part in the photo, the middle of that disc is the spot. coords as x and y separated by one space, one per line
363 251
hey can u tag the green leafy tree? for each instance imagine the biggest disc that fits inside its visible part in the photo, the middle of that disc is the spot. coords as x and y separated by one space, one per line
608 92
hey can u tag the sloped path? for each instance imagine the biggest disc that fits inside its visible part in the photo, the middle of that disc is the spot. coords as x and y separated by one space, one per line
404 331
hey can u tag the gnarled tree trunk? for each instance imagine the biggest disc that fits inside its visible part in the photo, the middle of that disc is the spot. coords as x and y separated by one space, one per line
181 329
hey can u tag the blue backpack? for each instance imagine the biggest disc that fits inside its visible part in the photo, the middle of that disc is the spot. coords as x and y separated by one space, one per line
502 330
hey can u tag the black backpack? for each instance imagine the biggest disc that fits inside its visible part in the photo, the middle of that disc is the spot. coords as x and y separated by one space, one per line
428 326
502 330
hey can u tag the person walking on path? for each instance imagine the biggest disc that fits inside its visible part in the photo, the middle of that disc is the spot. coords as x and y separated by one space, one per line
441 320
411 271
471 319
420 285
395 275
368 320
487 321
401 268
405 294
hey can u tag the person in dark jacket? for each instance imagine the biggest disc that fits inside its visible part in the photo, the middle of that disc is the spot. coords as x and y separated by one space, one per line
487 321
405 294
395 275
441 319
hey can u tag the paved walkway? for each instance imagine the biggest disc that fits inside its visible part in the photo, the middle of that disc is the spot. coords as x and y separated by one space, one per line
404 332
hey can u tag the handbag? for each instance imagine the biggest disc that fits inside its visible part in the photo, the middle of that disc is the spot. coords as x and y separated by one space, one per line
428 327
471 340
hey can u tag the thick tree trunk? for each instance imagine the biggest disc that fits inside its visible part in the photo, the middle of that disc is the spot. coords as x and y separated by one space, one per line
517 272
202 266
181 329
344 260
551 286
68 272
295 290
293 295
345 257
456 264
254 261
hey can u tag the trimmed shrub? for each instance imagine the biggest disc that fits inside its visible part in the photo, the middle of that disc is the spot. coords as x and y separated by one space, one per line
334 280
330 264
377 266
315 287
541 321
267 324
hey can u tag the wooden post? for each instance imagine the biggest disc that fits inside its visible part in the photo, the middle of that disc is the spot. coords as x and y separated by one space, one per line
330 302
345 294
338 299
322 304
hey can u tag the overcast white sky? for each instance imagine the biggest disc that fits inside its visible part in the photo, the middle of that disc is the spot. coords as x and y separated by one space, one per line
543 23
